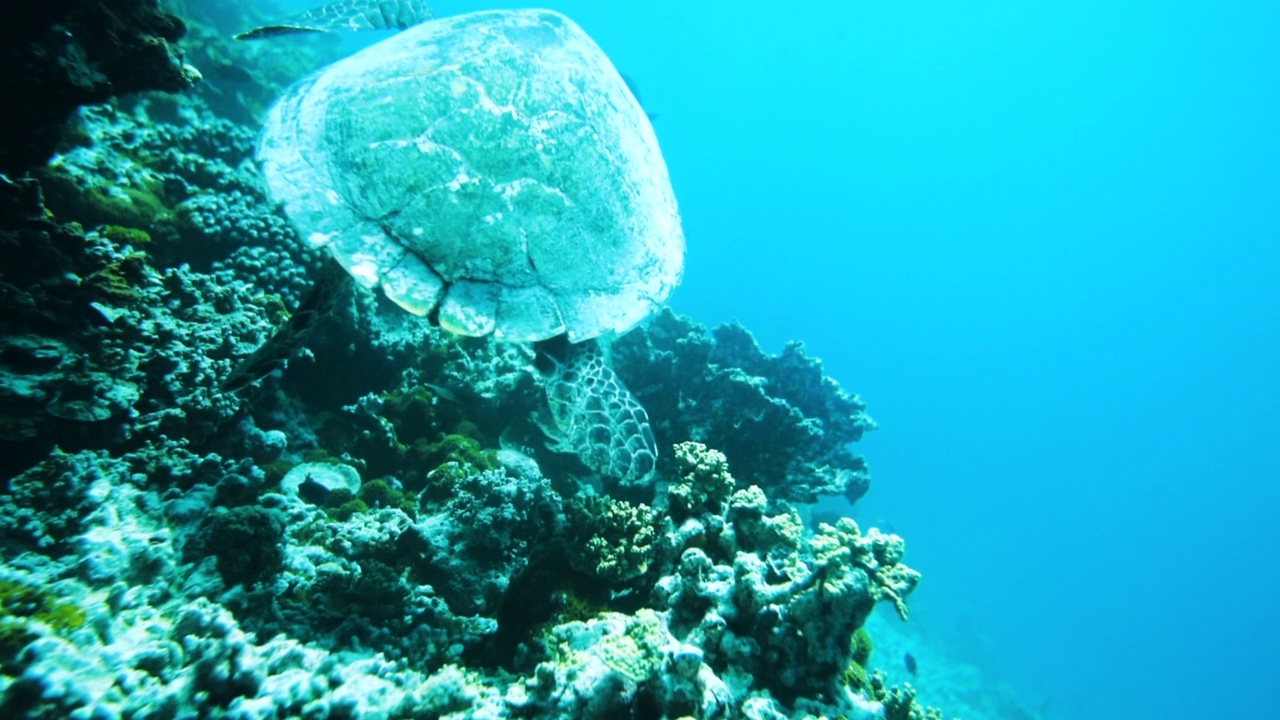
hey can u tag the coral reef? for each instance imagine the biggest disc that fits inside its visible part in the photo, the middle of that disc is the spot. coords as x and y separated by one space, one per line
783 424
381 529
763 596
134 353
56 56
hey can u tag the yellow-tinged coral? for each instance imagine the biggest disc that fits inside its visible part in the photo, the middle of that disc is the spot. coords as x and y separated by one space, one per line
633 645
900 702
25 606
706 483
756 532
878 554
617 538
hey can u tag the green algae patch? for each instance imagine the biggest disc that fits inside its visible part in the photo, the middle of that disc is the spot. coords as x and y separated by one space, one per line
116 205
855 673
120 279
377 493
411 413
121 235
25 608
448 462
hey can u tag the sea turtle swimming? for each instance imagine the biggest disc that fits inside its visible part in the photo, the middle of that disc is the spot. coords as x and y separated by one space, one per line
493 173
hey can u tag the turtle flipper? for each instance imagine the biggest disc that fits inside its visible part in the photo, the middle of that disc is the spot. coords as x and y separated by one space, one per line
597 418
347 15
282 345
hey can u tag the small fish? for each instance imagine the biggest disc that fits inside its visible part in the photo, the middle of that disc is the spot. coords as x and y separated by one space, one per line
884 526
355 15
290 336
910 661
345 16
443 392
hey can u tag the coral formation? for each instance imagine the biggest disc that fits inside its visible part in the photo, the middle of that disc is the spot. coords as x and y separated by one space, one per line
57 56
782 423
382 529
764 596
610 540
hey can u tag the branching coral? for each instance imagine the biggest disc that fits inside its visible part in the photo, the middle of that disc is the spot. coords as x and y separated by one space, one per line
611 540
876 553
769 595
705 483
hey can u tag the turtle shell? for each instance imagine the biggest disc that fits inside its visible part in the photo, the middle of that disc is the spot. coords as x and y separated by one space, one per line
490 170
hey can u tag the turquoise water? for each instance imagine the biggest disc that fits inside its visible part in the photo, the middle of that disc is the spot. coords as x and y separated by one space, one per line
1040 240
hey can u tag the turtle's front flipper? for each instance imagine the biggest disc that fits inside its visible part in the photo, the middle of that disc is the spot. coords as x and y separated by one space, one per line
348 15
595 416
281 346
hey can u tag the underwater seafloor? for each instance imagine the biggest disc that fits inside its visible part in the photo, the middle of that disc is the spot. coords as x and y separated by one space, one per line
380 530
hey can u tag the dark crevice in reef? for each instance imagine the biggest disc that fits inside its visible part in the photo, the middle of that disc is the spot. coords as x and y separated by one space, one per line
545 591
56 55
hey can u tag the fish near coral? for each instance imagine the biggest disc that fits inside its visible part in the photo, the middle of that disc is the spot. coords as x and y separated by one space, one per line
347 15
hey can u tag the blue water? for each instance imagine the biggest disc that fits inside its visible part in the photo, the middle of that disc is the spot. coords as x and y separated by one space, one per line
1041 241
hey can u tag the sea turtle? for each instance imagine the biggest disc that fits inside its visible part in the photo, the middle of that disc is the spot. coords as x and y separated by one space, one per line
493 173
